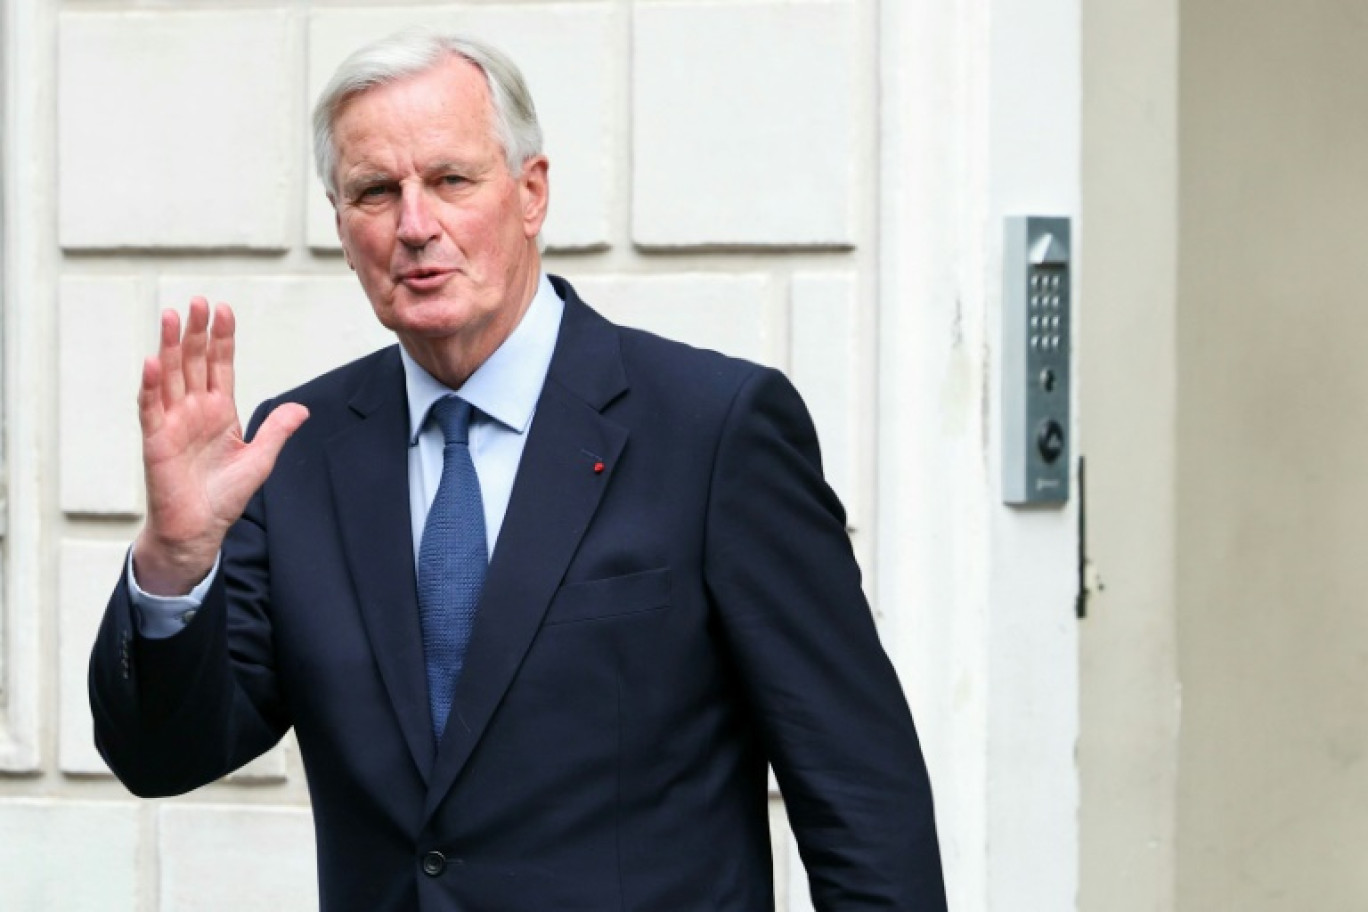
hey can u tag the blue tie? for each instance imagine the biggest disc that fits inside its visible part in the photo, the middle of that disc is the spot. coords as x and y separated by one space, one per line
452 560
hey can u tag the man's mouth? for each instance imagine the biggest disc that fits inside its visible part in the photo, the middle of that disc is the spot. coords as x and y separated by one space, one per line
424 278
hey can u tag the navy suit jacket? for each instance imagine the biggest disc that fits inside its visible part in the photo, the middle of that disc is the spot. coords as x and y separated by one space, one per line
650 635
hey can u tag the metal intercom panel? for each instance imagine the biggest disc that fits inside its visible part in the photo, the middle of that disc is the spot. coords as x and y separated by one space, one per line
1035 360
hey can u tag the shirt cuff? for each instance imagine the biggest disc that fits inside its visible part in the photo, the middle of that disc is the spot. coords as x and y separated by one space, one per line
160 616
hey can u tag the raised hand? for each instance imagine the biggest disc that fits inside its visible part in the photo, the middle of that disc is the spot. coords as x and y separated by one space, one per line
199 471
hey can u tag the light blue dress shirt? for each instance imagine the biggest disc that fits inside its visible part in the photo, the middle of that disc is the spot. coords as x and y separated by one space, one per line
504 392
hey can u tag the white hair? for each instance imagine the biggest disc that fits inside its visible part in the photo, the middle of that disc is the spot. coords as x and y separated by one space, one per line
410 53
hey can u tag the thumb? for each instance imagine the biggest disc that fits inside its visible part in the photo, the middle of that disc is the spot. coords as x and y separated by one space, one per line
248 470
270 437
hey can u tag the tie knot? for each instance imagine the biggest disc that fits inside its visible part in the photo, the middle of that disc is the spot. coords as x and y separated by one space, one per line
452 415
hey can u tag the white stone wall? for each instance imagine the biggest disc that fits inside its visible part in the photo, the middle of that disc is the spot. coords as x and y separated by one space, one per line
714 177
979 120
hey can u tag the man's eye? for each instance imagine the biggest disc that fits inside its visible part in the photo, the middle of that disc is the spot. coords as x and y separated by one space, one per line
453 180
371 193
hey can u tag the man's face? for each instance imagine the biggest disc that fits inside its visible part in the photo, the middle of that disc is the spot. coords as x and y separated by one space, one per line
440 233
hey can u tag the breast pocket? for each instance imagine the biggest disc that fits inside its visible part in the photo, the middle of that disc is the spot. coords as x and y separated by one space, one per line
617 596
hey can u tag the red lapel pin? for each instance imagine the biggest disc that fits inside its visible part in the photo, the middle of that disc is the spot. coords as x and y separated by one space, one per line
598 463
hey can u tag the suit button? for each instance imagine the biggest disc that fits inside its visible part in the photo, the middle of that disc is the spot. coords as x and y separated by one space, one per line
433 863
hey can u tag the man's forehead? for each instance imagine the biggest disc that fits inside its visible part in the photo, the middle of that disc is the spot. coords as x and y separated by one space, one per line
452 82
444 110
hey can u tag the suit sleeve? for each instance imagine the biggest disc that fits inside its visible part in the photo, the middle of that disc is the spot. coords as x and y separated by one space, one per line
174 714
832 714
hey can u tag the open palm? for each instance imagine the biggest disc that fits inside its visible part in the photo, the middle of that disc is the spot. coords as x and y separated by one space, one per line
199 471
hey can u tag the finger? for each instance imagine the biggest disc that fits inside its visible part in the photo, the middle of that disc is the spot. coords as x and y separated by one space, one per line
169 354
221 347
194 345
150 413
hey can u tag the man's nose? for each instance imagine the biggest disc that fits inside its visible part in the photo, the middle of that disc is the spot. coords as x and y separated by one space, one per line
417 224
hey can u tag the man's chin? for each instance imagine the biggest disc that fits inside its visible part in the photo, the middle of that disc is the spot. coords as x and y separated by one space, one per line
432 318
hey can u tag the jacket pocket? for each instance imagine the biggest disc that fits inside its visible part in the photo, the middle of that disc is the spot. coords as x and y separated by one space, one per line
648 590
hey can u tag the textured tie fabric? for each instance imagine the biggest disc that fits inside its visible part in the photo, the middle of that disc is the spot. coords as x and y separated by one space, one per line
452 560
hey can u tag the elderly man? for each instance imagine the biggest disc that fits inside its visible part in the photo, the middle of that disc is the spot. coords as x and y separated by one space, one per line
541 596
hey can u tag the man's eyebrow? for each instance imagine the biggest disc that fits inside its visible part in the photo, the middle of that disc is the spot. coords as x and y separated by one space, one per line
450 165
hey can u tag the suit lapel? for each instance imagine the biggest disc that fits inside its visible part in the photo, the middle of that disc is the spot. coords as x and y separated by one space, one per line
555 495
368 466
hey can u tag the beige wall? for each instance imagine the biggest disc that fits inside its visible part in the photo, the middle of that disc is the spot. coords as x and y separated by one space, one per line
1224 666
1128 690
1272 488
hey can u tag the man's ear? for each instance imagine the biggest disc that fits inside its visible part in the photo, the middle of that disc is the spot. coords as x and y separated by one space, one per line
534 190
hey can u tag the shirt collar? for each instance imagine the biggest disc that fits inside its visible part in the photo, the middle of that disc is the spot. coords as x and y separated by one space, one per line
507 385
